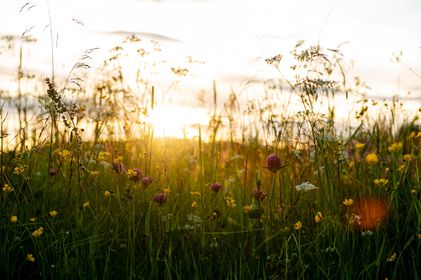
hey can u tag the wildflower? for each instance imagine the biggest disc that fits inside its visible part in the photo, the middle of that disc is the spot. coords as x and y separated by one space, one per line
7 188
318 217
52 172
408 157
348 202
259 195
372 158
230 202
392 258
354 220
160 198
64 154
359 146
381 182
146 181
94 173
118 165
107 194
195 193
134 174
86 204
13 219
298 225
246 209
194 204
395 147
413 191
372 213
103 156
401 168
30 258
33 219
19 170
166 190
305 187
216 187
38 232
273 163
53 213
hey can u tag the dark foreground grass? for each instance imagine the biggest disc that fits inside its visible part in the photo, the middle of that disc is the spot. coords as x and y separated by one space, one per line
131 210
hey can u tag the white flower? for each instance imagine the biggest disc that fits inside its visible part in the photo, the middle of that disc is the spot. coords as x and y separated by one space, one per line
306 187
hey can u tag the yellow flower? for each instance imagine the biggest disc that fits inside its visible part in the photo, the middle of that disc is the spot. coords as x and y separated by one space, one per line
401 168
318 217
359 146
53 213
7 188
194 204
392 258
103 156
372 158
86 204
230 202
166 190
298 225
413 191
94 173
33 219
395 147
64 154
348 202
38 232
246 209
381 182
195 193
30 258
19 170
13 219
107 194
408 157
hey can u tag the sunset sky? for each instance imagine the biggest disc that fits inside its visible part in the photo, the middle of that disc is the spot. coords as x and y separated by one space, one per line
231 37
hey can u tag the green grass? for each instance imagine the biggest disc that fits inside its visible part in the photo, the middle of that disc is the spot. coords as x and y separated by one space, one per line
113 222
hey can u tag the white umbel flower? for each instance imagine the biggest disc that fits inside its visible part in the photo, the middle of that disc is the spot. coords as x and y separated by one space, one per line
305 187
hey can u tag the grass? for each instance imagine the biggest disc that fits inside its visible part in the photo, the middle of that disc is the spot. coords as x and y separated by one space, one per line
291 197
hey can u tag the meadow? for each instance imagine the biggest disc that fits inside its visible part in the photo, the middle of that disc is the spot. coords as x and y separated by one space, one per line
89 192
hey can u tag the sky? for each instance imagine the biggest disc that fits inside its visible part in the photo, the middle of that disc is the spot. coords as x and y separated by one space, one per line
231 37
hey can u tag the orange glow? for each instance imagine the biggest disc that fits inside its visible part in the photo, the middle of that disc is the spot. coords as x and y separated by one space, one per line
372 212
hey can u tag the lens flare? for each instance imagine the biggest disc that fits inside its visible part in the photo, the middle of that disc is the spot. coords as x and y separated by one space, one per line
373 212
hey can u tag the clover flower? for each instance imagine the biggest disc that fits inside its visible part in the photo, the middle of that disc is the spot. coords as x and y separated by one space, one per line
146 181
259 195
216 187
160 198
273 163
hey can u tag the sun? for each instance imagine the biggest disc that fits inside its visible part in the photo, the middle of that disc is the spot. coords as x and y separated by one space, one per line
177 121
